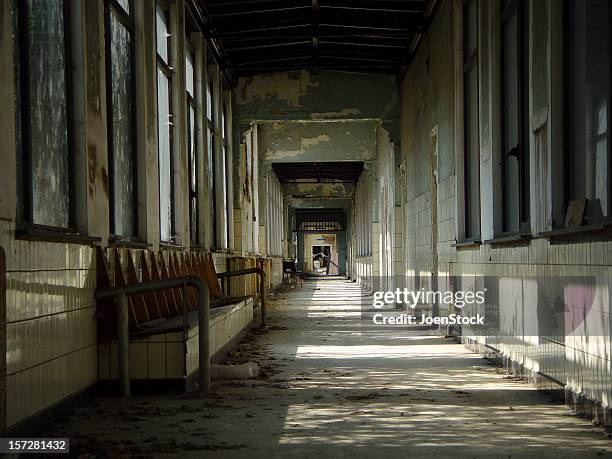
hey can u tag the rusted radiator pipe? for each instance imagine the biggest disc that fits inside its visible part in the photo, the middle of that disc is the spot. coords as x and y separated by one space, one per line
262 288
123 329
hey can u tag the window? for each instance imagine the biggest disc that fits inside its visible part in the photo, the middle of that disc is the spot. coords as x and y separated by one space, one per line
471 120
363 216
121 139
515 118
588 153
210 139
165 122
191 144
224 180
274 223
48 161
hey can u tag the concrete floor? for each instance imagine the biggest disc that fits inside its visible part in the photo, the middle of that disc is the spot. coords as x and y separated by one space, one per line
337 387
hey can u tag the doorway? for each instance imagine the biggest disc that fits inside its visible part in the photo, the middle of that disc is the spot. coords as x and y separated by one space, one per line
321 260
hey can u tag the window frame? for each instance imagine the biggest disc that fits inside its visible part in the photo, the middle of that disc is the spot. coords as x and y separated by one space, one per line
568 117
26 209
521 10
127 20
468 64
167 70
211 151
191 104
226 176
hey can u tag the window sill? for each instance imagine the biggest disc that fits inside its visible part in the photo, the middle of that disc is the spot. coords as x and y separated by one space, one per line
197 248
467 245
516 239
118 241
170 246
50 235
586 233
227 251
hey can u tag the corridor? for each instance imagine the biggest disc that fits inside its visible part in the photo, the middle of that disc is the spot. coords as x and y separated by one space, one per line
192 187
337 386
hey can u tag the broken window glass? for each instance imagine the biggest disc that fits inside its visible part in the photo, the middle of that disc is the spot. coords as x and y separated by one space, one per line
49 153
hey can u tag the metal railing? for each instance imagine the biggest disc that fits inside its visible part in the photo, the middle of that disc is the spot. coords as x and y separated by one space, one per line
262 288
123 333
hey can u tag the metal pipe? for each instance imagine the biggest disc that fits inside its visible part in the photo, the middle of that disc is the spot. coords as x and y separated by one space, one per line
203 316
262 288
123 335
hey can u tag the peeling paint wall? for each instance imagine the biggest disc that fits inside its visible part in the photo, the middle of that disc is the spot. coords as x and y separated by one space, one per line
319 190
312 141
303 95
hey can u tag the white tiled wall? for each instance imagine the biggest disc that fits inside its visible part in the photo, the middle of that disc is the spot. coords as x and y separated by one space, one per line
51 330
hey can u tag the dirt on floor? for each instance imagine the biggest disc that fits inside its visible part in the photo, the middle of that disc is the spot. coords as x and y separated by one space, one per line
334 385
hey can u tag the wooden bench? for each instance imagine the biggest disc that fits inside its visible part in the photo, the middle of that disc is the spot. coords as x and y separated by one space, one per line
159 311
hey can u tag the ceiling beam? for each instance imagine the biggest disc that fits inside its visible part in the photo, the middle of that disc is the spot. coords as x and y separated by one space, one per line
267 46
376 28
273 60
326 36
371 45
372 10
267 11
276 28
232 3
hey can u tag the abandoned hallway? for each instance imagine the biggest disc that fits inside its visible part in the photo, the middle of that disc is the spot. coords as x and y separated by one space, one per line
221 222
337 386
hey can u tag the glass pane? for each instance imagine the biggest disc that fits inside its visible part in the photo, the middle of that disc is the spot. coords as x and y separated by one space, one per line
590 85
224 185
470 31
125 4
511 82
163 33
194 221
472 155
511 97
211 180
164 152
48 114
209 107
223 124
192 148
189 74
124 172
